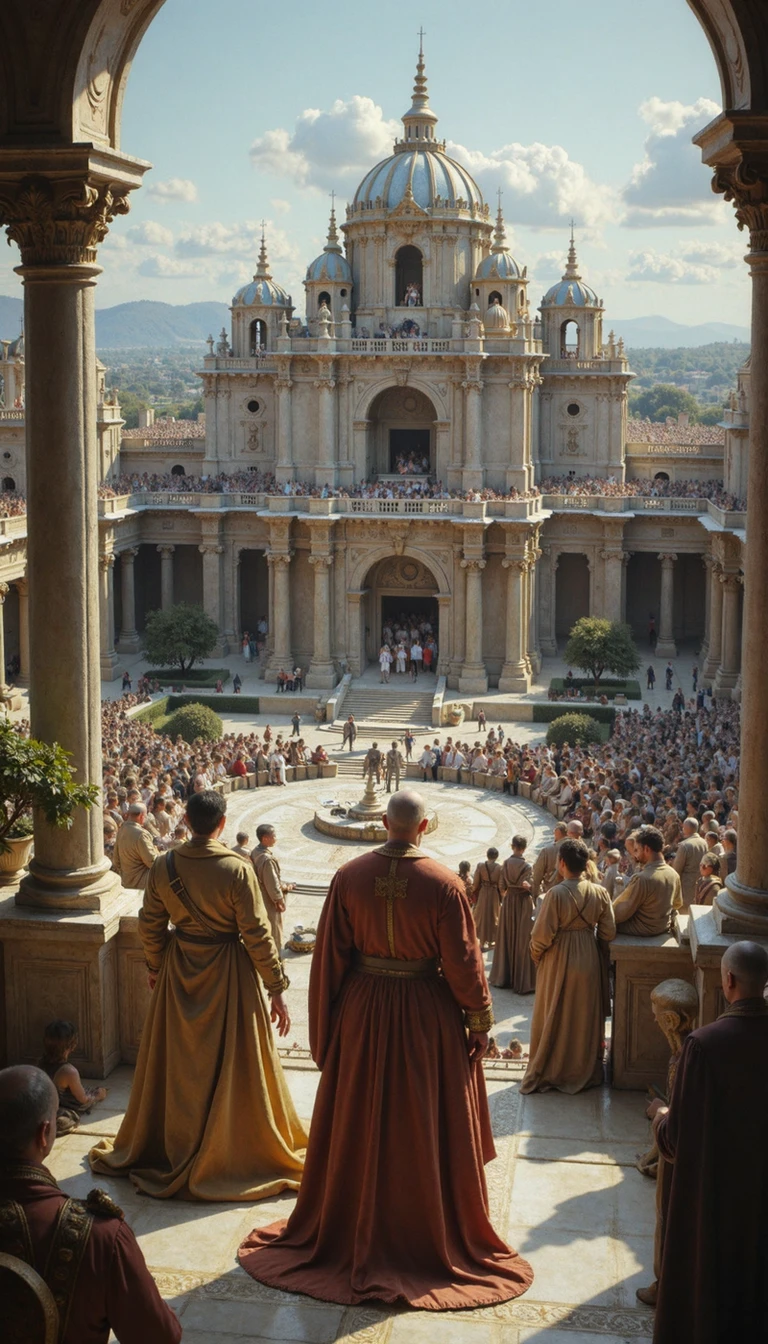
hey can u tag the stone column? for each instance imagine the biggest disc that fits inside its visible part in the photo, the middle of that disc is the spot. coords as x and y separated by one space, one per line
665 646
730 662
547 576
325 473
613 566
5 690
322 675
129 641
166 576
534 656
715 646
280 616
58 217
707 562
356 656
515 678
284 464
472 476
737 154
212 586
108 658
473 675
22 587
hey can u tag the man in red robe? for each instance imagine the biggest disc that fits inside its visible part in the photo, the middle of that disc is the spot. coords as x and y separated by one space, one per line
393 1204
84 1251
713 1286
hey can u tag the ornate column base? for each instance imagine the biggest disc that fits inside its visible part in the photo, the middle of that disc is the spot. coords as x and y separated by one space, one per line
548 647
96 888
284 474
325 476
129 643
473 679
472 478
666 648
741 910
515 679
108 664
724 684
320 677
708 943
10 700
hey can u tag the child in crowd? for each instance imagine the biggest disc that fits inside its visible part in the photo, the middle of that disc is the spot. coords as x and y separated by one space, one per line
465 868
59 1042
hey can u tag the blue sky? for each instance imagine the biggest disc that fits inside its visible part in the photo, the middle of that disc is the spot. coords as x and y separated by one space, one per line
250 111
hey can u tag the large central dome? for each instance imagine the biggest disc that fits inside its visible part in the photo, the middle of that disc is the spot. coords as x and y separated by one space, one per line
419 168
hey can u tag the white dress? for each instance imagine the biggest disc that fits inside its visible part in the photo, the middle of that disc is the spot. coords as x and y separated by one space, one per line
401 658
246 651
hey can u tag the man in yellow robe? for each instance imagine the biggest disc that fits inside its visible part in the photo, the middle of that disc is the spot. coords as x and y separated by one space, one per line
210 1116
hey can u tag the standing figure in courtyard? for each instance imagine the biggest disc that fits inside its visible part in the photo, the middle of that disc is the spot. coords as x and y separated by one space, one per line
512 964
487 886
372 762
273 889
568 1027
210 1116
393 1206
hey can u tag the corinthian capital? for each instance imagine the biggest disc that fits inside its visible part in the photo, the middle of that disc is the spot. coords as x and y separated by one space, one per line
735 146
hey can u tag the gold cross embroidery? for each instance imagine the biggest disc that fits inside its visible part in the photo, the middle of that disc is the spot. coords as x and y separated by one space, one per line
392 888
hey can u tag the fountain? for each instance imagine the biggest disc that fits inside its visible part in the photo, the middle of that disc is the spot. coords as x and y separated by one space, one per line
362 822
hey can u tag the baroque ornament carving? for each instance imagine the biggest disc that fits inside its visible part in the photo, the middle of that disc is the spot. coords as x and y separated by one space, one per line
59 223
746 186
403 572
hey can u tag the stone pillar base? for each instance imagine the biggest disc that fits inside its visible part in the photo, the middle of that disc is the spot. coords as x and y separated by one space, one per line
274 664
472 479
741 910
724 684
320 678
549 648
639 1051
128 643
283 475
473 680
708 943
54 889
514 679
63 966
665 648
221 647
108 664
325 476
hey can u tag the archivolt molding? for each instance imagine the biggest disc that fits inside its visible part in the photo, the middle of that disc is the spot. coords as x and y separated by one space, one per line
365 561
370 392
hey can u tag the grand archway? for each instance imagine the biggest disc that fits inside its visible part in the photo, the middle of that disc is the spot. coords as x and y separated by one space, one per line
401 435
401 591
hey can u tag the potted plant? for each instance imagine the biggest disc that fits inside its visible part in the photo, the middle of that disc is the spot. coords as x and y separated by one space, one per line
33 775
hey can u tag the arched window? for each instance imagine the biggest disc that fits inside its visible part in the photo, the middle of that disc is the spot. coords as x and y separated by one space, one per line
409 278
323 299
662 477
495 297
569 340
9 483
258 336
177 470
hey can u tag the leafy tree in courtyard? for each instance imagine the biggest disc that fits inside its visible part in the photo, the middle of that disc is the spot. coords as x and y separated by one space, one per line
597 646
179 637
664 399
36 775
195 722
578 730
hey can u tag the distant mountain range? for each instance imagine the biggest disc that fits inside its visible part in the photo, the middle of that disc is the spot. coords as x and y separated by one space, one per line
164 325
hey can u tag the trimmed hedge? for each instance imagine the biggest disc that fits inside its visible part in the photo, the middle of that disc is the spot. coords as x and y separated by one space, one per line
194 721
196 676
576 729
158 712
546 713
608 686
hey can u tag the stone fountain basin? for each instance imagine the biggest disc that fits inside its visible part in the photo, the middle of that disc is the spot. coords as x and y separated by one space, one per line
361 830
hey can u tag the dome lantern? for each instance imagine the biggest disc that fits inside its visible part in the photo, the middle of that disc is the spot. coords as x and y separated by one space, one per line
256 309
329 277
572 315
419 121
499 280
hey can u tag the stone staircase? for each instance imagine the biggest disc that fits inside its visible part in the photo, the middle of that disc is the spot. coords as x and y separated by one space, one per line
387 709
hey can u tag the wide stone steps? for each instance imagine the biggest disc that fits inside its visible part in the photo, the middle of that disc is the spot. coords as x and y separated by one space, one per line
397 709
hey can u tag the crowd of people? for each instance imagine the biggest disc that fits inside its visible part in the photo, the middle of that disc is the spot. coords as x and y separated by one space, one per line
648 487
408 645
13 504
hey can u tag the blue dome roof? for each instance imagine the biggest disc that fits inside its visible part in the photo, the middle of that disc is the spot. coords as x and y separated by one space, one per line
331 264
16 348
261 293
428 172
570 291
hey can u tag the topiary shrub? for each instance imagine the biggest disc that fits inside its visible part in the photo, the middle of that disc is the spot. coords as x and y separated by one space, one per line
194 721
575 729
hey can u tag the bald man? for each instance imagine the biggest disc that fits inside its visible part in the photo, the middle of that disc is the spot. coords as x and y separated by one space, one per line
545 867
399 1015
688 856
713 1286
84 1250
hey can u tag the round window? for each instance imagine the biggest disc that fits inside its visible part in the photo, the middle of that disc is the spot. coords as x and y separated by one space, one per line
343 293
7 457
254 406
573 408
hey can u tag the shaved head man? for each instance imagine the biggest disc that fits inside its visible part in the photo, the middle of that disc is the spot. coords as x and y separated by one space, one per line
405 817
744 971
28 1105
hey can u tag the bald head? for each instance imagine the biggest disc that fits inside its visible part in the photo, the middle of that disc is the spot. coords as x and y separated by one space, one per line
28 1105
405 815
744 971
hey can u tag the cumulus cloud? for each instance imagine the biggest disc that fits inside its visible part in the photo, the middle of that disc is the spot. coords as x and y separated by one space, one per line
241 240
542 185
280 206
693 264
173 189
671 186
150 234
160 267
327 149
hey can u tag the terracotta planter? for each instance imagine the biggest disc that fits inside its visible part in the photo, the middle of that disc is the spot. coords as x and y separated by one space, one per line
454 715
15 860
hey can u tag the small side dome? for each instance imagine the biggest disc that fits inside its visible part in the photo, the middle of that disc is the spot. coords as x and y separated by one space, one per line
499 264
496 318
262 291
570 291
16 348
331 265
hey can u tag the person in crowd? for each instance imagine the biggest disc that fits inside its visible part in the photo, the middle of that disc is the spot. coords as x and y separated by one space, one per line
426 762
242 845
487 887
713 1284
646 906
650 677
688 856
372 762
207 1057
409 742
104 1284
729 852
569 946
135 850
273 889
428 1240
237 684
59 1043
545 871
296 724
385 663
709 883
394 765
349 733
465 877
512 965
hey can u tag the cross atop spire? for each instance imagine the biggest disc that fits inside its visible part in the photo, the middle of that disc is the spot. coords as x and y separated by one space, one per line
333 244
499 233
572 268
262 270
422 35
419 121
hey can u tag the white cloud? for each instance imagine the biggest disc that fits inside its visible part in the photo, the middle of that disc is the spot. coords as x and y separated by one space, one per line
160 267
173 189
237 241
151 234
671 186
691 264
542 185
328 149
280 206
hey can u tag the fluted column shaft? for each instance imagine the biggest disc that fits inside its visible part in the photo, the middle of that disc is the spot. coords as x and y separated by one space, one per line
321 675
665 647
514 674
4 688
166 576
108 656
280 616
23 590
730 657
129 638
473 676
714 650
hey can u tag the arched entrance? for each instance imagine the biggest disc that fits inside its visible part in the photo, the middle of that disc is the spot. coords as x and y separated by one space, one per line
402 593
401 435
571 592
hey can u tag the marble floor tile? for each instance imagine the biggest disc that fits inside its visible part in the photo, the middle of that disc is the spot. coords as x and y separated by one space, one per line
568 1267
282 1321
564 1196
548 1336
634 1269
623 1116
448 1327
572 1150
636 1204
554 1115
175 1235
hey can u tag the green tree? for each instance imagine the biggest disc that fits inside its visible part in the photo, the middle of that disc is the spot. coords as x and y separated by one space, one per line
193 722
576 729
36 775
179 637
597 646
662 400
711 415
